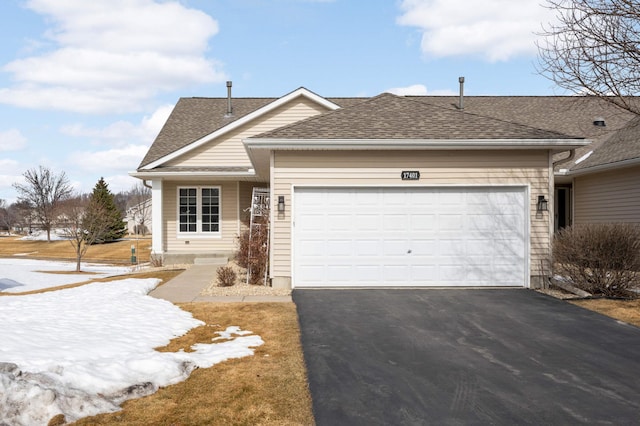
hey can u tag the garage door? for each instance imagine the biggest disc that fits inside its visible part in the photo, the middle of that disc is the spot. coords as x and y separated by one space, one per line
409 237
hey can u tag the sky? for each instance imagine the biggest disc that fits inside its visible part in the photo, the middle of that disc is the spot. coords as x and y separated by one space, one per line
84 350
85 86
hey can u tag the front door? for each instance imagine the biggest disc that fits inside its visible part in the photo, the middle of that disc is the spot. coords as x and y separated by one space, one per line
562 207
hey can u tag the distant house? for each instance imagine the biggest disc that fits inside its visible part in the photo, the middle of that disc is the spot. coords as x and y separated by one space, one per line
392 190
139 217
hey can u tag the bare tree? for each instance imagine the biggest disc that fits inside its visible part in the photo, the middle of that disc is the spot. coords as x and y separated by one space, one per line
8 216
140 207
44 191
83 222
594 48
4 216
23 213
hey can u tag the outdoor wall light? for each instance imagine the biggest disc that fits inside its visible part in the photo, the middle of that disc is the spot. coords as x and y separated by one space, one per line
280 203
543 205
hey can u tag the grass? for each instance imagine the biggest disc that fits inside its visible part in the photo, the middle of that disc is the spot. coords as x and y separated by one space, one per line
623 310
269 388
116 252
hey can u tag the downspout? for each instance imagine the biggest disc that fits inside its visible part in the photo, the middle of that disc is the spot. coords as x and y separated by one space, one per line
572 154
144 182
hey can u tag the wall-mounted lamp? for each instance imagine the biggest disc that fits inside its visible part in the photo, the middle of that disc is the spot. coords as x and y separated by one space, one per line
280 203
543 204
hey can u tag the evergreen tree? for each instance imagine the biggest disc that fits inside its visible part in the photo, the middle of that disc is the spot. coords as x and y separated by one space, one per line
105 201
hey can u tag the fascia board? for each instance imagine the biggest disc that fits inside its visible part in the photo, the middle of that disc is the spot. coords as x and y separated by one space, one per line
604 167
242 121
423 144
191 174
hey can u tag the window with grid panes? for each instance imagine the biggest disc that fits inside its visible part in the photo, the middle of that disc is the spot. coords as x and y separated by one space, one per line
199 210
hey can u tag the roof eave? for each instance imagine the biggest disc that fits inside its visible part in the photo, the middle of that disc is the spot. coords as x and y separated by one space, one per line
423 144
242 121
191 175
605 167
259 149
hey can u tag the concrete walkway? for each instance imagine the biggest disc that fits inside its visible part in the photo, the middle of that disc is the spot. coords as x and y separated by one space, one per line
187 287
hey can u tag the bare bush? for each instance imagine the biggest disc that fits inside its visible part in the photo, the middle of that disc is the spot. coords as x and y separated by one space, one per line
602 259
156 260
226 276
253 253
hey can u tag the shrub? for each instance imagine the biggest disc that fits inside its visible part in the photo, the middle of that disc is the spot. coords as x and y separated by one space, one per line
602 259
155 260
259 249
226 276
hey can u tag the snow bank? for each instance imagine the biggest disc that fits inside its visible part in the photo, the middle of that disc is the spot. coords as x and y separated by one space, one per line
20 275
85 350
40 235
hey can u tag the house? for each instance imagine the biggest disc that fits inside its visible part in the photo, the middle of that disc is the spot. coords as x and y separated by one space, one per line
389 190
138 218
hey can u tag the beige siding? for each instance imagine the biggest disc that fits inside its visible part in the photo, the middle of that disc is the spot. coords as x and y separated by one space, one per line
225 243
228 150
527 168
612 196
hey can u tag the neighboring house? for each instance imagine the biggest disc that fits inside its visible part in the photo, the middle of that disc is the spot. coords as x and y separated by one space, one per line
139 218
388 190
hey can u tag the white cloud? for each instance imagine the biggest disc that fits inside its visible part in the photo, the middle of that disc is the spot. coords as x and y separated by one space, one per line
495 30
122 132
10 173
415 90
12 140
120 183
110 161
419 90
113 55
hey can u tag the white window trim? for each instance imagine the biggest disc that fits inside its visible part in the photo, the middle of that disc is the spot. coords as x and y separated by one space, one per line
199 233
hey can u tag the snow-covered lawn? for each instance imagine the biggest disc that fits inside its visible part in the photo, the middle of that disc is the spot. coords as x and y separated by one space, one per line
39 235
20 275
85 350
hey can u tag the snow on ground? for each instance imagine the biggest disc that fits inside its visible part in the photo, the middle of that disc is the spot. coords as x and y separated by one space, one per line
85 350
20 275
40 235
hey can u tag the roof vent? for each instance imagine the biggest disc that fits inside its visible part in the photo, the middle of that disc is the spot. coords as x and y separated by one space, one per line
599 122
461 100
229 107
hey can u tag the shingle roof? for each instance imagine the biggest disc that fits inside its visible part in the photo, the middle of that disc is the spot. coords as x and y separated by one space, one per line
388 116
194 118
622 145
572 115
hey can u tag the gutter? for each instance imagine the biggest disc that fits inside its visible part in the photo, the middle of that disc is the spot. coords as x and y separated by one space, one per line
402 144
604 167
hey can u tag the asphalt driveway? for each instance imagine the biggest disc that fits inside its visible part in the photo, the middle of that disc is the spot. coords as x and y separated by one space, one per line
513 356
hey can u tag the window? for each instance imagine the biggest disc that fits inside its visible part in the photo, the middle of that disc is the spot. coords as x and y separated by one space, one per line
199 210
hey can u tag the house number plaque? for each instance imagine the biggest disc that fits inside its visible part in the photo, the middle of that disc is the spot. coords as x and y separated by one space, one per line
410 175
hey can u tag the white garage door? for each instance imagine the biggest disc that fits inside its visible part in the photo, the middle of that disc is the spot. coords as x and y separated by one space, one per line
409 237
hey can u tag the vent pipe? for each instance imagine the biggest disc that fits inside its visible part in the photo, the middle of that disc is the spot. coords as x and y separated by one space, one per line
229 107
461 101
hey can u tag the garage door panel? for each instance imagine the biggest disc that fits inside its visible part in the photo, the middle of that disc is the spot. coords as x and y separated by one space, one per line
367 222
339 248
367 248
409 237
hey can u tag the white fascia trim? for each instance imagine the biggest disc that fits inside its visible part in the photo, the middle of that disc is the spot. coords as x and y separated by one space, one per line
604 167
386 144
157 175
242 121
